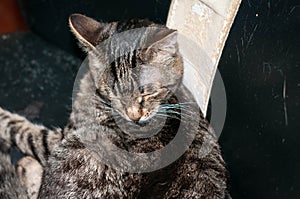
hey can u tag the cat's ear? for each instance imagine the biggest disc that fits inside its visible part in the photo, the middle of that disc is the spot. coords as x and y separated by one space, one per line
165 39
87 30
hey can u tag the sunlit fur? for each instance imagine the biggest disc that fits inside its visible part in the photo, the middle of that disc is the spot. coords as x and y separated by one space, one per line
135 84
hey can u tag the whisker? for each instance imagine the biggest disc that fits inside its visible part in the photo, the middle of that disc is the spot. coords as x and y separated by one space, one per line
180 108
104 108
99 99
181 114
166 115
187 103
182 103
177 113
175 105
167 109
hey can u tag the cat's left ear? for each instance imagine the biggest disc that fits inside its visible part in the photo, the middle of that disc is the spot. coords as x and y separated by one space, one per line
166 40
88 31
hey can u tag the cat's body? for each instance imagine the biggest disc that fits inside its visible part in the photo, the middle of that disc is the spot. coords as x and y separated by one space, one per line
71 167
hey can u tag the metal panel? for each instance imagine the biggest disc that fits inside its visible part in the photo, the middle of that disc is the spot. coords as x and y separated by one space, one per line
203 27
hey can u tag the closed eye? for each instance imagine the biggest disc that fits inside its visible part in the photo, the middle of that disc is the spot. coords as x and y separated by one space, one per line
141 89
141 100
157 96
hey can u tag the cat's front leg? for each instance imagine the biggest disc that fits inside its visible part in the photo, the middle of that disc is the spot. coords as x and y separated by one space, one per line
31 139
29 172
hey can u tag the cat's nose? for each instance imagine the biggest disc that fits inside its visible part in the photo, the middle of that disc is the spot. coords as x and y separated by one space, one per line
134 113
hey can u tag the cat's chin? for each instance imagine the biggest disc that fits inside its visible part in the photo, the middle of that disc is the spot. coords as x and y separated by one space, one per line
141 123
142 128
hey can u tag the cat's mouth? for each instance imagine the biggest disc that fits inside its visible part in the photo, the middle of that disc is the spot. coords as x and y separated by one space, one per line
144 127
142 130
142 122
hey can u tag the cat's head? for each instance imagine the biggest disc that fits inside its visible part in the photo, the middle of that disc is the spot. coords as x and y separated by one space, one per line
134 84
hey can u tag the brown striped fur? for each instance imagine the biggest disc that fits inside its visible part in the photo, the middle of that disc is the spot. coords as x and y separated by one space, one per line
70 170
31 139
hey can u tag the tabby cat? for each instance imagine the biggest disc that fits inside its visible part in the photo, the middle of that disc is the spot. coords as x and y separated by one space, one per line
138 88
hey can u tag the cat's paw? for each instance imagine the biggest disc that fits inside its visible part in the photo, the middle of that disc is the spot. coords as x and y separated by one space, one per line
30 172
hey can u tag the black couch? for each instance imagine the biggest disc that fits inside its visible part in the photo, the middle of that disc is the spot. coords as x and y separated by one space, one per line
259 61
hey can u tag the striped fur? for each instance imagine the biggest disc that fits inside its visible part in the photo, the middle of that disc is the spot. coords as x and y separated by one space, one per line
31 139
71 170
10 184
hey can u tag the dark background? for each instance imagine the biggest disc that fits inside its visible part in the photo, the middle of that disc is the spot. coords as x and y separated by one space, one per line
260 140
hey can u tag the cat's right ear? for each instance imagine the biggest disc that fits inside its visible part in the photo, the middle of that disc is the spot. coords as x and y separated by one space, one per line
87 30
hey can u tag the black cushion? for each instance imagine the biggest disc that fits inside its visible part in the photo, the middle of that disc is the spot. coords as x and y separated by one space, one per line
36 72
49 19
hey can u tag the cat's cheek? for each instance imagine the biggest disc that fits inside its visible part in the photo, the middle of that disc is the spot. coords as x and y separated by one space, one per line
150 114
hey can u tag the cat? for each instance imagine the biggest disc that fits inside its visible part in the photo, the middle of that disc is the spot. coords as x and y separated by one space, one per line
139 88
